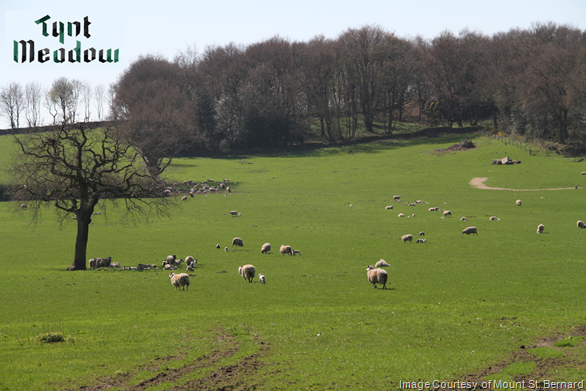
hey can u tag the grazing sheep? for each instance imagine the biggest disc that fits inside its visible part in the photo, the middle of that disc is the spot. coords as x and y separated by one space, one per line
184 198
92 263
518 202
226 249
494 218
421 241
190 261
171 259
470 230
189 268
540 228
583 173
180 280
247 272
382 263
218 246
23 206
580 224
298 252
397 198
377 276
233 213
447 213
463 218
237 242
286 250
228 189
406 238
389 207
401 215
261 279
421 233
265 248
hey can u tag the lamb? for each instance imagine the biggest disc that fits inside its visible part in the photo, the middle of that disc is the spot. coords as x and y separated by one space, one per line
406 238
397 198
261 279
298 252
382 263
265 248
580 224
401 215
463 218
169 267
247 272
540 228
494 218
286 250
421 233
190 261
184 198
180 280
23 206
218 246
237 242
92 263
389 207
226 249
447 213
421 241
178 262
518 202
583 173
377 276
233 213
435 208
189 268
470 230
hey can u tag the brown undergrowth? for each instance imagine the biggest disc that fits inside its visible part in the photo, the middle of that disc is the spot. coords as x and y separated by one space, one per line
215 375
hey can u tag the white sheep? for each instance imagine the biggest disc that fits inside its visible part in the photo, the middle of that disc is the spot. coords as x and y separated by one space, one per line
397 198
580 224
377 276
401 215
389 207
184 198
435 208
237 242
382 263
286 250
171 259
540 228
180 280
226 249
463 218
406 238
494 218
421 241
447 213
261 279
23 206
189 268
169 267
470 230
518 202
265 248
190 261
247 272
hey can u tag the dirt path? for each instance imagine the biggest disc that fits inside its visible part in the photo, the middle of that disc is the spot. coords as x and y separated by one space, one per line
479 183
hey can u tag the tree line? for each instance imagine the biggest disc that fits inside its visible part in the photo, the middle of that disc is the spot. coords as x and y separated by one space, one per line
529 82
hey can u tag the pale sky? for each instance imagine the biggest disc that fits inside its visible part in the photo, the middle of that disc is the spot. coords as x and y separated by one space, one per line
170 26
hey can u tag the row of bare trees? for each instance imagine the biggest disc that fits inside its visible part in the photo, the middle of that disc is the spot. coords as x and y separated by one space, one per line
66 100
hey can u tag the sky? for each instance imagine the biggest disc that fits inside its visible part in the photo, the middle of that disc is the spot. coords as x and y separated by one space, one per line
169 27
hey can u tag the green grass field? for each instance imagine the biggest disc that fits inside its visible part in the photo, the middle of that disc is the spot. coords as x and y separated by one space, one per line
455 306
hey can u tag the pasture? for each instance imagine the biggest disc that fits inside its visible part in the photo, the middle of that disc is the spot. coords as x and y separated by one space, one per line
456 306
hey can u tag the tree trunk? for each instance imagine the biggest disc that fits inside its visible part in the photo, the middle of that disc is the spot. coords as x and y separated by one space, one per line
83 227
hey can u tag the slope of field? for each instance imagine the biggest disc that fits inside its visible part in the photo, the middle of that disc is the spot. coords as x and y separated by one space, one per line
455 306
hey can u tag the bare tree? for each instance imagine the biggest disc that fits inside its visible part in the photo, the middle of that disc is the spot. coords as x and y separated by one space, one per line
100 95
65 94
51 106
86 96
11 103
34 99
73 169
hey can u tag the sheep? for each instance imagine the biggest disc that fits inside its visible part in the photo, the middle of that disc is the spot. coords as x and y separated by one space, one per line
496 161
540 228
103 262
171 259
92 263
97 213
421 233
377 276
189 268
580 224
180 280
421 241
178 262
228 189
286 250
116 265
470 230
418 201
298 252
389 207
435 208
247 272
447 213
237 242
493 218
226 249
583 173
397 198
169 267
406 238
401 215
261 279
463 218
184 198
265 248
518 202
23 206
233 213
382 263
218 246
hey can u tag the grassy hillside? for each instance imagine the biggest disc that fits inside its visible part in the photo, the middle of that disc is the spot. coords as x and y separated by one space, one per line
455 306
